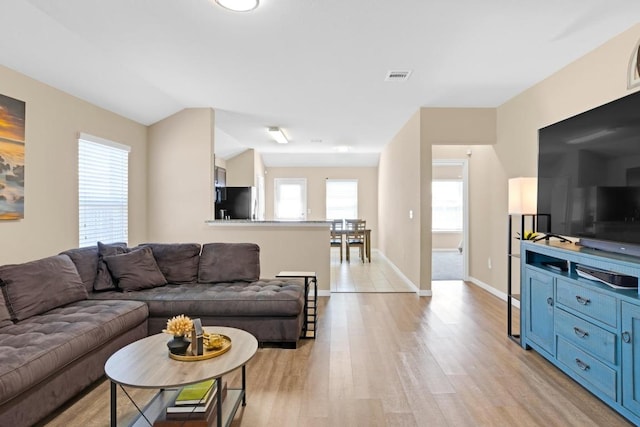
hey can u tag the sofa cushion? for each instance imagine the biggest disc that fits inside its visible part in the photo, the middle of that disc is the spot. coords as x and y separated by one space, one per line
5 316
229 262
177 261
86 262
104 281
39 286
266 297
135 270
30 351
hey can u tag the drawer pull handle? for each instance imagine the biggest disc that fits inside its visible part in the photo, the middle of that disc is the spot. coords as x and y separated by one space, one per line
550 301
583 301
579 332
626 337
583 366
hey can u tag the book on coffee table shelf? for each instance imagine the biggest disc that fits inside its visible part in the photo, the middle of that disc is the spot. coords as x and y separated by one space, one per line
203 415
195 394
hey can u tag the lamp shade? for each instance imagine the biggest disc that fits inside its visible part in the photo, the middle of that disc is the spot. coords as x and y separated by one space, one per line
523 195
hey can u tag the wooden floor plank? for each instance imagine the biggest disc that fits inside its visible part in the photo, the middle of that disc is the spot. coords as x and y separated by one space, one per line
396 360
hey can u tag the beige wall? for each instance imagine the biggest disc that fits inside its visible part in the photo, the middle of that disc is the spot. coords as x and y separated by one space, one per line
316 191
241 170
399 192
53 121
593 80
180 191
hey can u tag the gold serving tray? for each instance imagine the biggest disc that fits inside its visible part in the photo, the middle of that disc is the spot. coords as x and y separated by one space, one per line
208 354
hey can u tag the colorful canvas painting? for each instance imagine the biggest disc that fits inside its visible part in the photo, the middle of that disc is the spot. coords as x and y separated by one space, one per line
12 114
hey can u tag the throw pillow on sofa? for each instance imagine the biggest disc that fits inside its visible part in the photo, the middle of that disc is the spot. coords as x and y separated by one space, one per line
229 262
177 261
135 270
104 281
39 286
86 262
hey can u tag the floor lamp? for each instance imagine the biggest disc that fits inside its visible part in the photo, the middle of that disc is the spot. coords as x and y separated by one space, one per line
523 197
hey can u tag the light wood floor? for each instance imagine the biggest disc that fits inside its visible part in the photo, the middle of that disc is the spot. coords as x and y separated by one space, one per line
356 276
397 360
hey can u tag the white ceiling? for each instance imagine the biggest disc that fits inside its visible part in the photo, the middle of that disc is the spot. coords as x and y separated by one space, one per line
315 68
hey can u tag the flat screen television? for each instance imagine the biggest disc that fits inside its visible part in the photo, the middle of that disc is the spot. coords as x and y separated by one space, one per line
589 177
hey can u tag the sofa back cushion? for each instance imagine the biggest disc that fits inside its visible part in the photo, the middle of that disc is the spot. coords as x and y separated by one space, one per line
177 261
38 286
5 316
104 281
86 262
135 270
229 262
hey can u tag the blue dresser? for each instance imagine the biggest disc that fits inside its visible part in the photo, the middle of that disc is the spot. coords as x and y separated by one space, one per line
587 329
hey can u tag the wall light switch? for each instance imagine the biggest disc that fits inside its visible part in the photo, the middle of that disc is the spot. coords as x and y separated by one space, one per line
410 214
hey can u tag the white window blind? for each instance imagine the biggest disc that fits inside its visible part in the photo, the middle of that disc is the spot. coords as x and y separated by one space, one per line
446 199
103 191
342 198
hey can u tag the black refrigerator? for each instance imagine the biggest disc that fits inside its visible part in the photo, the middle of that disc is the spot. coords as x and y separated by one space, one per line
236 203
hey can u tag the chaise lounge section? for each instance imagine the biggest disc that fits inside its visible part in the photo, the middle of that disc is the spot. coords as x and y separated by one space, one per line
62 317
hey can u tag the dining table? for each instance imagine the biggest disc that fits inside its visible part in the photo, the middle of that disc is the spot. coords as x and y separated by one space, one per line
367 241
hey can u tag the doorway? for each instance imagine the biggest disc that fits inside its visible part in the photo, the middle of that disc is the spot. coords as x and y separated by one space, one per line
449 204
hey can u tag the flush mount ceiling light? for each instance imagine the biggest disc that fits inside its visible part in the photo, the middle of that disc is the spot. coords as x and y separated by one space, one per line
239 5
277 134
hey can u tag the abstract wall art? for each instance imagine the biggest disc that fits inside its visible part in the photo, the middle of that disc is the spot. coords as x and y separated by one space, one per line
12 120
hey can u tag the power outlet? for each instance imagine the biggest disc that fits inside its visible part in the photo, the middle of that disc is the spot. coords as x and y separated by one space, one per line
489 263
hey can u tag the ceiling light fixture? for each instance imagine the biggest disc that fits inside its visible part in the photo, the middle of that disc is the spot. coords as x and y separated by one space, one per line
277 134
239 5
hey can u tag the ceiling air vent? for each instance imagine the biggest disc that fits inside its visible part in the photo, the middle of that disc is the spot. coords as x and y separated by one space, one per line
397 76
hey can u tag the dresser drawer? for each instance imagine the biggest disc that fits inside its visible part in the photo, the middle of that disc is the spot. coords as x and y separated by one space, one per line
587 336
590 369
592 303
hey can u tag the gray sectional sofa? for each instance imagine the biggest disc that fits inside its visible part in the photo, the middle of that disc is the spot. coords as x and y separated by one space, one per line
61 317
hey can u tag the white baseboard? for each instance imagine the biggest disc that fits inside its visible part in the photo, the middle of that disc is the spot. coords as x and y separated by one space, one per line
493 291
323 293
405 279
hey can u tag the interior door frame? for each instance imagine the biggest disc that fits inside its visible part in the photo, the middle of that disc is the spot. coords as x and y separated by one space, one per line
465 208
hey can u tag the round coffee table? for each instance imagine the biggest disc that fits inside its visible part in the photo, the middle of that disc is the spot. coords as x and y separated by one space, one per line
146 364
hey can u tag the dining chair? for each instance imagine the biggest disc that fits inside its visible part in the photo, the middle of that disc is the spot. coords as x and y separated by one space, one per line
336 234
355 236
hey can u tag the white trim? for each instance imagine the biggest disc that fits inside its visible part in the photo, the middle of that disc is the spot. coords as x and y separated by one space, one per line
425 293
323 293
493 291
405 279
103 141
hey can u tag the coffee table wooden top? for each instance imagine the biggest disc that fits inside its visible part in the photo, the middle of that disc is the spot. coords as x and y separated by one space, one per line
146 362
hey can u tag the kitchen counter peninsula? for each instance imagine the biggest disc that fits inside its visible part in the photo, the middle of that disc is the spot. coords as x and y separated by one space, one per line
284 245
255 222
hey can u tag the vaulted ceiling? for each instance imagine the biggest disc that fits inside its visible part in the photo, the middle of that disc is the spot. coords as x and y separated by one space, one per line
315 68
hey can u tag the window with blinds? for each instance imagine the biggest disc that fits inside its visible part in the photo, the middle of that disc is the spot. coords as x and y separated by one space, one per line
342 198
103 191
446 203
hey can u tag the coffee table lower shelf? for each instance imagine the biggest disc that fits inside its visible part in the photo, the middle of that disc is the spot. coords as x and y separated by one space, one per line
156 408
